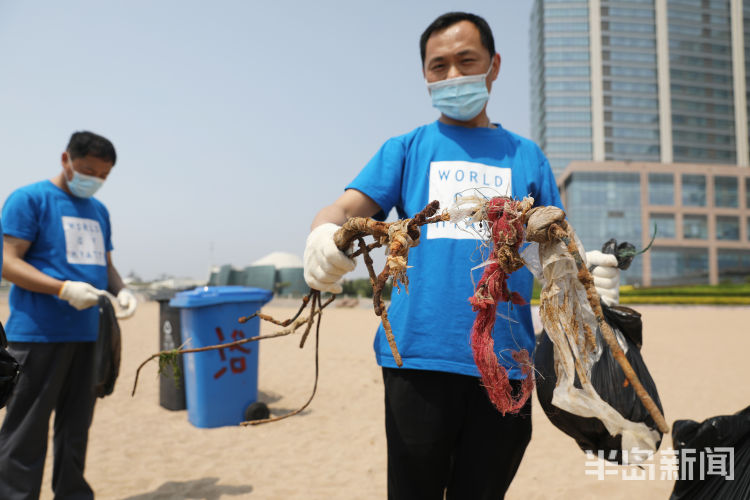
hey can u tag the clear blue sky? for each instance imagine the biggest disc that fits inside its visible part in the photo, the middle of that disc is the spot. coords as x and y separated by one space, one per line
234 121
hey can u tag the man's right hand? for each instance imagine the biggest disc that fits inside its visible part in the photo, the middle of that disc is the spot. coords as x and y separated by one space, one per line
79 294
324 263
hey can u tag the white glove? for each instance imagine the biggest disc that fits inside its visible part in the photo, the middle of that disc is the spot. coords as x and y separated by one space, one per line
127 302
324 263
79 294
606 276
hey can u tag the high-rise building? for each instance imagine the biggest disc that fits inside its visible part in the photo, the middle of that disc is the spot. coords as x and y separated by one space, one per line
645 92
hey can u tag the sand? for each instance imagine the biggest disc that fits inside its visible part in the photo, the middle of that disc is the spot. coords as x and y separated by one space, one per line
336 448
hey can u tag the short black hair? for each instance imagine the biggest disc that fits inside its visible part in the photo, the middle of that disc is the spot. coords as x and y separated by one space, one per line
86 143
451 18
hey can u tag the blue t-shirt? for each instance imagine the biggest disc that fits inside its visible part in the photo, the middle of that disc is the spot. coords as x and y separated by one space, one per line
70 238
432 323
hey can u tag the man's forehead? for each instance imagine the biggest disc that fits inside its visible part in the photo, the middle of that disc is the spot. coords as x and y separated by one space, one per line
461 37
92 161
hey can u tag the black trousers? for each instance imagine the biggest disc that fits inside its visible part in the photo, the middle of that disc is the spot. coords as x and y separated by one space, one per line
59 377
446 438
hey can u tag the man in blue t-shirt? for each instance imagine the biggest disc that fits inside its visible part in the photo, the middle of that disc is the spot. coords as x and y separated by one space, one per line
444 435
57 254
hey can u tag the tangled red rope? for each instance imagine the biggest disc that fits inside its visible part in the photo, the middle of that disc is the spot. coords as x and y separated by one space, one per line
507 235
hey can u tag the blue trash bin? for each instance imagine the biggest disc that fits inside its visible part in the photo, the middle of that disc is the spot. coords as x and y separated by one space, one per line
220 384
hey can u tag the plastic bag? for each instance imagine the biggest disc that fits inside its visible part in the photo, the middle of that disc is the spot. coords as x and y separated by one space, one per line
728 478
610 383
9 370
107 349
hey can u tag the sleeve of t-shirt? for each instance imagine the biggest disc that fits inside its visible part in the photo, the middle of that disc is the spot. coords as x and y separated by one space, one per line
546 193
21 216
107 228
380 179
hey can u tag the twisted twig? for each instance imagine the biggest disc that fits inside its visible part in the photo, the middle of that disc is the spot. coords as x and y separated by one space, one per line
400 236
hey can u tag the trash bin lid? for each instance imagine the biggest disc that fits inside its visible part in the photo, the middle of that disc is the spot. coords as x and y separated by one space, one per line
212 295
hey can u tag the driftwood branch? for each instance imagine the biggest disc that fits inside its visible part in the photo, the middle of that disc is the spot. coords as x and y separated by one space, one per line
399 237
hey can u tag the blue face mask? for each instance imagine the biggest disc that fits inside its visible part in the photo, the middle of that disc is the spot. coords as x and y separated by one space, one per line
84 186
460 98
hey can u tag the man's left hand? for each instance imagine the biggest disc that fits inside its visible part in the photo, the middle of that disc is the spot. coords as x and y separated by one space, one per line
127 302
606 276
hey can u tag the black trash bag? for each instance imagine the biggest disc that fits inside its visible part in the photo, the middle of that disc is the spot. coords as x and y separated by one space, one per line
609 381
9 370
624 252
693 439
107 353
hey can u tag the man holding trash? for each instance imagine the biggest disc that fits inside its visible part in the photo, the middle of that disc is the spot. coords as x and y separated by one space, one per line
444 435
57 254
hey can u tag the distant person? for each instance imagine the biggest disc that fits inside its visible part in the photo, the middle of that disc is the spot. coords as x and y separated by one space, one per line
444 435
57 254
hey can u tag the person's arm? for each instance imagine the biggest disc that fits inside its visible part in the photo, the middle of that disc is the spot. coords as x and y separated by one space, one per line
352 203
324 263
117 287
21 273
115 283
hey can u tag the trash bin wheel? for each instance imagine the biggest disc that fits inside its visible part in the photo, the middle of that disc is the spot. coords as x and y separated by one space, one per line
257 411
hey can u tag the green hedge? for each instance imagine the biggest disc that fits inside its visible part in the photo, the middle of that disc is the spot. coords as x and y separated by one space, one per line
723 294
724 290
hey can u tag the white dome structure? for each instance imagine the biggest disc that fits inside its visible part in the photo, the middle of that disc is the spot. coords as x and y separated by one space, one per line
279 260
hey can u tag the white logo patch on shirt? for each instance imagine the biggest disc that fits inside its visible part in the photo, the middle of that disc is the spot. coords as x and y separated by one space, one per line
452 179
84 241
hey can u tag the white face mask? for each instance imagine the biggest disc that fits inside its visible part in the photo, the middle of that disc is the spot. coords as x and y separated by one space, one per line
461 98
82 185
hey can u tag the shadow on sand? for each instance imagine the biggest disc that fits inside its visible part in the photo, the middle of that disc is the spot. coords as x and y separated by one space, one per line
204 489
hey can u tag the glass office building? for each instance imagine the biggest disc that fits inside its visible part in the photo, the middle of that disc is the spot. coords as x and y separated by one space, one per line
561 81
637 103
698 213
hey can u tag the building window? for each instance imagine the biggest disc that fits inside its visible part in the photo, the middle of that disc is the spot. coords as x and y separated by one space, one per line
603 205
566 41
694 190
619 116
569 86
620 12
635 149
632 72
725 191
634 133
568 147
734 265
567 71
565 26
663 224
635 57
633 102
661 189
568 101
568 116
695 227
566 56
648 88
727 228
675 266
747 192
575 12
621 41
569 132
632 27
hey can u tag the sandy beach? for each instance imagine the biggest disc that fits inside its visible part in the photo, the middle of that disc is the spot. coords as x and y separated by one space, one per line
336 448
